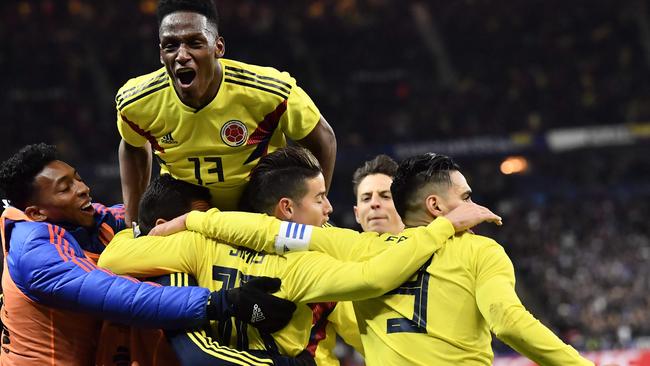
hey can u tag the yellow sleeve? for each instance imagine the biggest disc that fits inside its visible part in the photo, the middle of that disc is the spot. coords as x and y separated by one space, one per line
263 233
128 132
250 230
349 245
315 277
149 256
509 320
301 116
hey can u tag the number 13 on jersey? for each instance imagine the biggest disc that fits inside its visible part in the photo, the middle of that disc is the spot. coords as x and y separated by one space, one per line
207 168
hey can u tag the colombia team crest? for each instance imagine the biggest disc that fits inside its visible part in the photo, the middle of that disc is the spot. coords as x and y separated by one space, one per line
234 133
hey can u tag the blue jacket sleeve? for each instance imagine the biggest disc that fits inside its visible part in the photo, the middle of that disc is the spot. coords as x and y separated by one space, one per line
51 269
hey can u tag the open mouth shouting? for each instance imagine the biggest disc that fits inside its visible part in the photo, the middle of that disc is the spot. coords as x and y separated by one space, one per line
185 77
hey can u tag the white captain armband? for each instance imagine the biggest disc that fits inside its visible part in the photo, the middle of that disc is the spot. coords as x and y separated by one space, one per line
293 237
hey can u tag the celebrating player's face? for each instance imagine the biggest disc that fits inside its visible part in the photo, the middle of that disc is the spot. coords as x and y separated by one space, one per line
61 196
375 210
458 192
314 208
190 48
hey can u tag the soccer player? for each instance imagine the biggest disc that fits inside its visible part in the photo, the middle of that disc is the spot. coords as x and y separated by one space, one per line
54 294
209 119
375 210
446 313
307 277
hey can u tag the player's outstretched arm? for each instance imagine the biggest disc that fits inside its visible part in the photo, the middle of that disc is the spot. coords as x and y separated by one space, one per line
315 277
263 233
135 171
508 318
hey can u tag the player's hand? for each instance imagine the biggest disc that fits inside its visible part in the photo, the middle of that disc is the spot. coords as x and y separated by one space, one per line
470 214
253 303
170 227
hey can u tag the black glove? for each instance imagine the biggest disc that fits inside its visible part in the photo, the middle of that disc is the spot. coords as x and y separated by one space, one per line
253 304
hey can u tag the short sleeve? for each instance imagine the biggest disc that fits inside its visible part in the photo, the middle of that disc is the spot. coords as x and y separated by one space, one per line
301 116
129 131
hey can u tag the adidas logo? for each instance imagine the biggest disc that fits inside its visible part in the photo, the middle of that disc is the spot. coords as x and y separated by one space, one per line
168 139
257 316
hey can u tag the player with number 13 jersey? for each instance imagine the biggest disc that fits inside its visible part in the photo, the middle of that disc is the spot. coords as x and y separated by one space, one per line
216 146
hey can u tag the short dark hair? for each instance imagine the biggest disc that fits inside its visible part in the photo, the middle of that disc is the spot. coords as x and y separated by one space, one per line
416 172
381 164
281 173
206 8
167 198
18 172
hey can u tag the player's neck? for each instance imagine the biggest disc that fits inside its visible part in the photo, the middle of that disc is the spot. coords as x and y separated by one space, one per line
415 219
211 93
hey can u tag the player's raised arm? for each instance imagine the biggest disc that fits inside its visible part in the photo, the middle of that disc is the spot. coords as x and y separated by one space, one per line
135 171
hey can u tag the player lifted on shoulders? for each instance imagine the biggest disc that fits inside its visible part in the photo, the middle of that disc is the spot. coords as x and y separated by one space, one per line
209 119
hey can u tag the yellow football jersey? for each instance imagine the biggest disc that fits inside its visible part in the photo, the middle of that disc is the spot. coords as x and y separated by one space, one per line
216 146
307 277
443 315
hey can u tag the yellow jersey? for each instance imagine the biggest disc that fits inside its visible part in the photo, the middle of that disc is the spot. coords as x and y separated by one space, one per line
307 277
254 111
443 315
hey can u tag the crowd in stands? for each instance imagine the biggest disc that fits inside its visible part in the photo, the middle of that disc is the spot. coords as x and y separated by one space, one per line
576 225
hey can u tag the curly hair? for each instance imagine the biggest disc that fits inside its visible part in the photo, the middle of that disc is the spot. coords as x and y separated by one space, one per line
414 173
18 172
206 8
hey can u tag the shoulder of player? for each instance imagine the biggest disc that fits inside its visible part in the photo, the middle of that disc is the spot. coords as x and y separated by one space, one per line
479 245
263 78
28 236
139 87
33 232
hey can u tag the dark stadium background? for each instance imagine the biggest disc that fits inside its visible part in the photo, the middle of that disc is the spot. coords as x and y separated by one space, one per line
563 87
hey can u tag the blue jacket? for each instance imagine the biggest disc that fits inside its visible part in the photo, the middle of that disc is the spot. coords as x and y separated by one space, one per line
48 264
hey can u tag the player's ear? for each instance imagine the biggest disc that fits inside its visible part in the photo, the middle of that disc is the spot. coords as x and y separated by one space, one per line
434 205
284 210
220 48
160 54
356 214
160 221
35 213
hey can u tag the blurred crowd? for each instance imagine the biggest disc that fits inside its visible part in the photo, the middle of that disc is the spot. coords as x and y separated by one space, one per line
576 230
386 71
412 70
